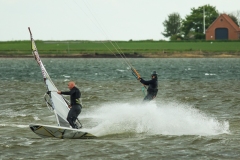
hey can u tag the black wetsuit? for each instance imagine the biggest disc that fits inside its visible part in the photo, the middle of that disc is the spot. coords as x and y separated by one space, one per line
152 88
76 107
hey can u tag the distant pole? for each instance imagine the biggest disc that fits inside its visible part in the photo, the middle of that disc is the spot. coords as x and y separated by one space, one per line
204 30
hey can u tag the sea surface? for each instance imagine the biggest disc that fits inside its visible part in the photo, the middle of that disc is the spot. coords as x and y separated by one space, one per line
196 114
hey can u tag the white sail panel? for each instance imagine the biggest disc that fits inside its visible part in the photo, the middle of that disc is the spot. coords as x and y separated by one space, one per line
58 103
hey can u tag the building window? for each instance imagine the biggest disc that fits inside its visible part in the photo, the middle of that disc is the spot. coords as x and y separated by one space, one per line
221 20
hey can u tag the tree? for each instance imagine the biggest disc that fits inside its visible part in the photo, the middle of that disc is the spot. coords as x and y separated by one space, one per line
237 13
236 16
193 23
172 25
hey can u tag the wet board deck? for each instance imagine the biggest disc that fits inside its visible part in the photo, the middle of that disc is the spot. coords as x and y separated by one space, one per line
47 131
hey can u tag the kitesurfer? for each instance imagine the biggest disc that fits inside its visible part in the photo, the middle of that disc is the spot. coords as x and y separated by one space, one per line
152 87
75 106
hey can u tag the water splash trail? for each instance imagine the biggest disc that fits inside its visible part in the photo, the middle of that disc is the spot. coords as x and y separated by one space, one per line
153 119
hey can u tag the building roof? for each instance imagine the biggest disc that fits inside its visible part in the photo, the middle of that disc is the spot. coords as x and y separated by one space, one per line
229 20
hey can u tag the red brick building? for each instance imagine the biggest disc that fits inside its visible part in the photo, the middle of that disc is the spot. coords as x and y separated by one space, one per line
223 28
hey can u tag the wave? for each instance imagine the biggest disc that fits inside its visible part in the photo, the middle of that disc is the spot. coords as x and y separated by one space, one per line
14 125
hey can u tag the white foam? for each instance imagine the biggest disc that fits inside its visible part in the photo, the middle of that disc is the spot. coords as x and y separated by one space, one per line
210 74
20 126
36 118
66 76
120 70
14 125
2 125
153 119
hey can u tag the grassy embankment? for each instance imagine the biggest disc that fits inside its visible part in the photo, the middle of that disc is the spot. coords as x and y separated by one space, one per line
131 49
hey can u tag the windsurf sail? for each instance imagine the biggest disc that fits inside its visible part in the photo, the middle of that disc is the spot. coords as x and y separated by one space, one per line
57 103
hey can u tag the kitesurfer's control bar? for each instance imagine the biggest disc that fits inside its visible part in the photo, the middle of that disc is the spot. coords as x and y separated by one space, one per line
135 73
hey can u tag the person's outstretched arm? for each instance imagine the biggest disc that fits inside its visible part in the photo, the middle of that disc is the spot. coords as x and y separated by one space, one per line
146 82
65 93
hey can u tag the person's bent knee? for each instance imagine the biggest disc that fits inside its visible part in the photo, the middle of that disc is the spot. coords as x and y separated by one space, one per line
69 118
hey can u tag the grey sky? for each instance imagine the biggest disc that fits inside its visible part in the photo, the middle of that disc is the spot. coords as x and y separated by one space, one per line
73 19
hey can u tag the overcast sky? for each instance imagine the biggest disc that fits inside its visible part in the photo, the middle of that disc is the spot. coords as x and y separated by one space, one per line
94 19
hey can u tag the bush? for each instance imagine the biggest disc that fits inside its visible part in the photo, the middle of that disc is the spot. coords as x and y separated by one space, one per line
175 37
199 36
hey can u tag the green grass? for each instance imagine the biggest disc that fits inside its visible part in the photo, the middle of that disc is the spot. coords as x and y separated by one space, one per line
142 47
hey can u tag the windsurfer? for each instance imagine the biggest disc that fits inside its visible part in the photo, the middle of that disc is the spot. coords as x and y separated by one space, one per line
75 107
152 86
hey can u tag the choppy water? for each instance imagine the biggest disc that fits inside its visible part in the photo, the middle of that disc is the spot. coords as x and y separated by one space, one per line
195 116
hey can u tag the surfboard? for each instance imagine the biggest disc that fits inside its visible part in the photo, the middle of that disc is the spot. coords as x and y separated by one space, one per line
47 131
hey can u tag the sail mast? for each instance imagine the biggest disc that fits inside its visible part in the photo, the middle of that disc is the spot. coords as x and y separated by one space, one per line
57 102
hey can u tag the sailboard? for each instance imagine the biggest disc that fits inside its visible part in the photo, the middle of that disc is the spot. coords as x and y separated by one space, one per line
58 104
47 131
